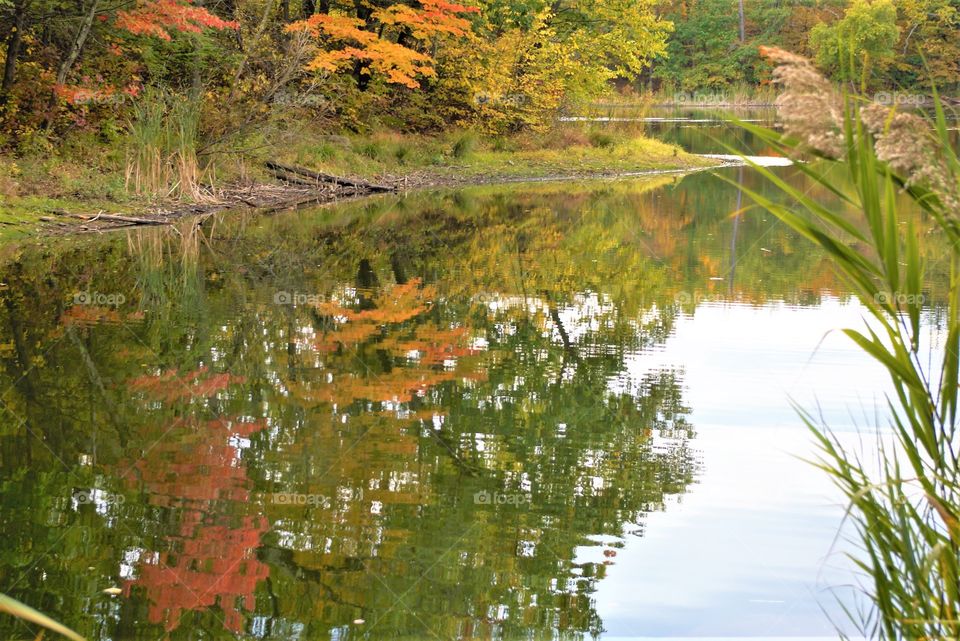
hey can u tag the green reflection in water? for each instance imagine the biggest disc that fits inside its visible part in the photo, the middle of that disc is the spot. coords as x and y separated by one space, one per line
410 411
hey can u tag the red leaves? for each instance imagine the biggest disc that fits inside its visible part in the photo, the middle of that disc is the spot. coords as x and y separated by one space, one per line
160 18
211 561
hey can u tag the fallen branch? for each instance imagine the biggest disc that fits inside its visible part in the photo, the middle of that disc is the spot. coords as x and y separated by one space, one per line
292 179
114 217
327 178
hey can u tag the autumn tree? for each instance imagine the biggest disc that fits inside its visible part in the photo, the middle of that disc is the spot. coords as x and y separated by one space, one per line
56 36
389 42
532 57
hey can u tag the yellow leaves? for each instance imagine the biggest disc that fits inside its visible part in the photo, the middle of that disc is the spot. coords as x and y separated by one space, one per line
516 78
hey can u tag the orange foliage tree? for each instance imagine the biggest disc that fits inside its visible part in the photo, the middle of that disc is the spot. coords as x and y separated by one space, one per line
210 560
386 42
435 353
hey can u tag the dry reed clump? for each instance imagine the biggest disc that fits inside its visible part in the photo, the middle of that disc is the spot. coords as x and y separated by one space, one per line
162 156
903 492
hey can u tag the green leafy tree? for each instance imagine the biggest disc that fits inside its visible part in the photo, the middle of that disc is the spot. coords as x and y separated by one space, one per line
861 44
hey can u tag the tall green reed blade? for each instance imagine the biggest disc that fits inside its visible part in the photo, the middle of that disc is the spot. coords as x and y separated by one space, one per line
907 514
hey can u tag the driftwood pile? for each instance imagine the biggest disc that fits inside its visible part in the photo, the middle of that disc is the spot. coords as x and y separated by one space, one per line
299 186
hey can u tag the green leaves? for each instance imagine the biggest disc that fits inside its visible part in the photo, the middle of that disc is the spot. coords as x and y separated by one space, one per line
864 38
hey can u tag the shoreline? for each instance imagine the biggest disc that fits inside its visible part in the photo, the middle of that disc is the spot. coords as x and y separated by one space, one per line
268 198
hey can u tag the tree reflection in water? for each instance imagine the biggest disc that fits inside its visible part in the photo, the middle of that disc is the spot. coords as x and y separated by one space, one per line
421 435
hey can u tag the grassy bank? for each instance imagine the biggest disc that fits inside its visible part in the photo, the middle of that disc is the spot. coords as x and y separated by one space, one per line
469 157
87 174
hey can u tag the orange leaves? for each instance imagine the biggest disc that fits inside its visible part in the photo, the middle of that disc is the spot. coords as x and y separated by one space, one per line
394 305
349 334
345 40
336 27
107 94
89 315
160 18
432 352
333 60
436 17
399 386
398 63
432 345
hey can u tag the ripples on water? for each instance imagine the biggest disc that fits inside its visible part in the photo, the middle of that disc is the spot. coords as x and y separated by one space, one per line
537 411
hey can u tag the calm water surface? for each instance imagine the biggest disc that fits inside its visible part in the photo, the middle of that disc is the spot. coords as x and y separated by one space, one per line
536 411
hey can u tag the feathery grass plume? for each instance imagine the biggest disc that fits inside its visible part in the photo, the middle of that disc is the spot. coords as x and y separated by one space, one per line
809 106
907 143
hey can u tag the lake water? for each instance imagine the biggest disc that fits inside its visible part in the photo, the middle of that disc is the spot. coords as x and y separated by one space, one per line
554 410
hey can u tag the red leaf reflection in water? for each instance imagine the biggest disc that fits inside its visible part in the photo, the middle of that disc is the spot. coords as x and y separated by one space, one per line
213 562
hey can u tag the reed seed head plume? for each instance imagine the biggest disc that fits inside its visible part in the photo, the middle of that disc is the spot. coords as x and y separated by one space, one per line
905 142
809 106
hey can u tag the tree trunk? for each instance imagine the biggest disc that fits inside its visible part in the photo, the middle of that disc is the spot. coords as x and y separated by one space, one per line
309 8
78 43
261 28
743 26
14 41
361 76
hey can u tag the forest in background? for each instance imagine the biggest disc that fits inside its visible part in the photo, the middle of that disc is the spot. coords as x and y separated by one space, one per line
883 44
160 93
